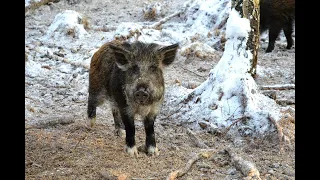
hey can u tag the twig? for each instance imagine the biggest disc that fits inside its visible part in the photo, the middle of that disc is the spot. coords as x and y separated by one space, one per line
234 122
279 130
195 139
83 138
278 87
247 168
182 171
53 121
29 98
162 21
223 22
194 72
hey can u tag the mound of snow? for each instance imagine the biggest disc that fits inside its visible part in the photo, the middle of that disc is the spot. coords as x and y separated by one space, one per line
200 50
230 94
67 23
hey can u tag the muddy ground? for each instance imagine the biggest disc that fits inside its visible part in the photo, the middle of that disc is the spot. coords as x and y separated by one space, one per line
74 151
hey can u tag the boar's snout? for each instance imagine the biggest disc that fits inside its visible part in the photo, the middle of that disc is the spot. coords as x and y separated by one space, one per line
141 95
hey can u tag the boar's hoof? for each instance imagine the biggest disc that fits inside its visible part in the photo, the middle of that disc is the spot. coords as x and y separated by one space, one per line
153 151
120 132
133 151
91 122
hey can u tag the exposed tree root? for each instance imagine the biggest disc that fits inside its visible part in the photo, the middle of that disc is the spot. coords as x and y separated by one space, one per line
247 168
205 153
281 136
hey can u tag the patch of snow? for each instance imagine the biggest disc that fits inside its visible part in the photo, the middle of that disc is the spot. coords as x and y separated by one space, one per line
34 69
28 2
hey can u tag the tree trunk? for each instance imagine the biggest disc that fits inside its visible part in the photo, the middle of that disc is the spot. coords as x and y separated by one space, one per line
251 8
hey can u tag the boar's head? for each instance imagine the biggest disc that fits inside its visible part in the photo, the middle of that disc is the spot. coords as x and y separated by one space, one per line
142 66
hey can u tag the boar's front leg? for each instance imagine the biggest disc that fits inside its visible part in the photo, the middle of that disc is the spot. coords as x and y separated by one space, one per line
128 121
151 147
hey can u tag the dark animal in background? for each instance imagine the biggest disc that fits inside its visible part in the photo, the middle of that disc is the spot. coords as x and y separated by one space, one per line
130 76
276 15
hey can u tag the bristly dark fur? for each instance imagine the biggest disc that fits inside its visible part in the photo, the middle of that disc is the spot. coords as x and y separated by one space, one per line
276 15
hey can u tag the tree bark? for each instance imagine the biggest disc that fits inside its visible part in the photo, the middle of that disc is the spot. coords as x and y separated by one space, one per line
250 9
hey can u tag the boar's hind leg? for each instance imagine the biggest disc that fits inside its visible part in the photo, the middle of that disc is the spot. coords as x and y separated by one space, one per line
92 107
274 31
151 147
288 29
119 127
128 122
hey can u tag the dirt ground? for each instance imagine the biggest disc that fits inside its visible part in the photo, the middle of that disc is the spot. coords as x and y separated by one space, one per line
72 150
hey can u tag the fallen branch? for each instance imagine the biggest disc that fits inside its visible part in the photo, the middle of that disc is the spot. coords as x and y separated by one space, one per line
162 21
285 102
279 130
52 121
247 168
104 28
195 139
278 87
182 171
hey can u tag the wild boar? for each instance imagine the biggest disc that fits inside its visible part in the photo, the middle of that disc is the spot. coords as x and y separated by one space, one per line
130 76
276 15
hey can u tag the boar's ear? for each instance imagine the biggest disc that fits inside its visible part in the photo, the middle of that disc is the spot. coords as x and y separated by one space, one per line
120 54
169 53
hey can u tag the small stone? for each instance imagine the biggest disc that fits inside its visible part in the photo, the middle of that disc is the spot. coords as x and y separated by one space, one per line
73 50
74 75
271 171
275 165
203 125
232 171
